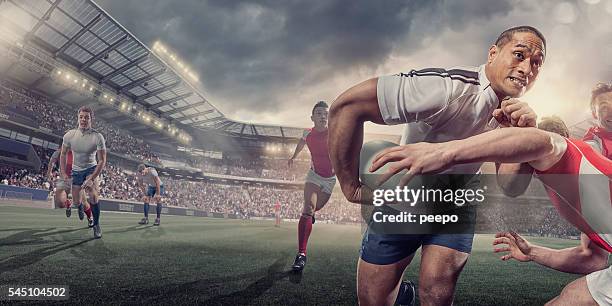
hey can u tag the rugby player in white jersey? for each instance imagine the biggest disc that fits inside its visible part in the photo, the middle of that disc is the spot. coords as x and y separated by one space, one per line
62 188
89 158
153 189
576 178
437 105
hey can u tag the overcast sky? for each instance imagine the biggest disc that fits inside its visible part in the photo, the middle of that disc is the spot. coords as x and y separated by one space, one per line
270 61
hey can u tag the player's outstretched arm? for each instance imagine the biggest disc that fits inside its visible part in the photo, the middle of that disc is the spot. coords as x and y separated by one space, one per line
582 259
346 118
298 149
508 145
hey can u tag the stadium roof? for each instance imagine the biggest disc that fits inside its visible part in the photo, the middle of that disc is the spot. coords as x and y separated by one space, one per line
81 35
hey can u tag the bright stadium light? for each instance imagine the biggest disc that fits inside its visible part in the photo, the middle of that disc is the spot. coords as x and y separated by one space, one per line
59 72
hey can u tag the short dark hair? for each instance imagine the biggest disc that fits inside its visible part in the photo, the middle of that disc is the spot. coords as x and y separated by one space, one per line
599 89
554 124
86 109
319 104
506 35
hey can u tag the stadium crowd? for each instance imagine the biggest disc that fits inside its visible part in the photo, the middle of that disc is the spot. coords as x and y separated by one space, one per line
58 119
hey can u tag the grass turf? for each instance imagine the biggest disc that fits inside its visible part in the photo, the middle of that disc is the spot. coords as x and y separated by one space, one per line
212 261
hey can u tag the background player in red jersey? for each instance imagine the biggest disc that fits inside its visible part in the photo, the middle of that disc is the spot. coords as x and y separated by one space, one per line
277 209
600 136
576 178
320 179
63 187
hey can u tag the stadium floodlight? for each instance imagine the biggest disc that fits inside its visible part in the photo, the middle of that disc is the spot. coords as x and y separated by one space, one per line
59 72
90 88
68 76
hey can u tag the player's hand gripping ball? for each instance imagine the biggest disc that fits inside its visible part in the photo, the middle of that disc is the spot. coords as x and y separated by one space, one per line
372 179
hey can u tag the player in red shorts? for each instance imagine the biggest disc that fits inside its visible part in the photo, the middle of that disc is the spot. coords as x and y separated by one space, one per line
277 209
64 187
320 179
576 178
600 136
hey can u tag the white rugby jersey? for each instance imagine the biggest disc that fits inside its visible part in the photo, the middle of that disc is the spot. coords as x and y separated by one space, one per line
84 145
579 186
439 105
149 178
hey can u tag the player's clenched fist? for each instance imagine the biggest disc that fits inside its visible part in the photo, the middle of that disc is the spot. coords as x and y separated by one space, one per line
513 112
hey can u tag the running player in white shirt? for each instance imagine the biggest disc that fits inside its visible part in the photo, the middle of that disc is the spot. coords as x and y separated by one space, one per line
154 189
576 178
437 105
86 145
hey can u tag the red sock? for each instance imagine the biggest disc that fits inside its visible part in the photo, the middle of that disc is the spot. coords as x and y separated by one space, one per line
88 212
68 203
304 229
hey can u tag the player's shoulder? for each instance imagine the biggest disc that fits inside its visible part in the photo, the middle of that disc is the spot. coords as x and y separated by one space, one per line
306 132
70 132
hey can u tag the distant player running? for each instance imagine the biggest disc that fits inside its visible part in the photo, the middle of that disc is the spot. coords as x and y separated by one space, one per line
576 178
62 187
320 179
153 188
600 136
86 144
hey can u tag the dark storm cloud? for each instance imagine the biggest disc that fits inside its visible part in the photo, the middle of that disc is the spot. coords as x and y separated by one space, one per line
252 55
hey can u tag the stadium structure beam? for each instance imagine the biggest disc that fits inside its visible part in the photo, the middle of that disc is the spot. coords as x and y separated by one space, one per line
105 51
198 114
158 91
170 101
142 80
242 129
42 20
186 107
124 68
282 131
199 123
223 125
254 129
76 36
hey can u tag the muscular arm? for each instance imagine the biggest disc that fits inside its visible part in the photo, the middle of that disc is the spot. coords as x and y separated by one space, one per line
298 148
513 178
157 186
101 154
346 118
539 148
582 259
63 161
508 145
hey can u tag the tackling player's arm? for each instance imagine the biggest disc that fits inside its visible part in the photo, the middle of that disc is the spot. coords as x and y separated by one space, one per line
582 259
508 145
514 178
346 118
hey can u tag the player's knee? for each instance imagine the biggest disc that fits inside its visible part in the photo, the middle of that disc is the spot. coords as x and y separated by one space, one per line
438 290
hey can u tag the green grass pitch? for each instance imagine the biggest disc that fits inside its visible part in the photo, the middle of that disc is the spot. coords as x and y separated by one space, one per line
211 261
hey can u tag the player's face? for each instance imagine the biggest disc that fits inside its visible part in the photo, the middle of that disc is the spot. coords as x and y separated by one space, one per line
319 117
603 111
516 65
84 120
